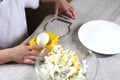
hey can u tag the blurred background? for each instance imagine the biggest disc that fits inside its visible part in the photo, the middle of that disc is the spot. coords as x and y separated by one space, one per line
36 16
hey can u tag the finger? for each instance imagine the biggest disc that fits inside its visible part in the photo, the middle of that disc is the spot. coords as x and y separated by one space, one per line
33 53
28 61
70 14
56 10
35 47
73 11
30 57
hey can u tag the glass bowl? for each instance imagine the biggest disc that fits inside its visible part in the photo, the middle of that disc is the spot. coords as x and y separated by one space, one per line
86 57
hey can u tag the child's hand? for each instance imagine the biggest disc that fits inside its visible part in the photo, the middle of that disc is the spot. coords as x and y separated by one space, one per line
65 6
24 54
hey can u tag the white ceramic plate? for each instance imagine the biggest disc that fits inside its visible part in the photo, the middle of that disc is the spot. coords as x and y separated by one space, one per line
100 36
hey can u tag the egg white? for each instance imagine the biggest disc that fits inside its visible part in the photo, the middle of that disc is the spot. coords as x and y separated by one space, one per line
42 39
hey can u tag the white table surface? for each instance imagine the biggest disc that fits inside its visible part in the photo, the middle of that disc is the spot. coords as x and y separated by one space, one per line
87 10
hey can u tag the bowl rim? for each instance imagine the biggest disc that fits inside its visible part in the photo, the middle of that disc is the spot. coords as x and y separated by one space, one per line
88 50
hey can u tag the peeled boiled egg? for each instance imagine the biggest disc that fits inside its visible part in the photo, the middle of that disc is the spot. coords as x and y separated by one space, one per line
42 39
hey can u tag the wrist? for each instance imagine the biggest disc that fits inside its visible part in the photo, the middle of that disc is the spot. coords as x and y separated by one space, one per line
5 56
10 52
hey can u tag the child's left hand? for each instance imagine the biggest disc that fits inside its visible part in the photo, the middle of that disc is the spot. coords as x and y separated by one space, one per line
65 6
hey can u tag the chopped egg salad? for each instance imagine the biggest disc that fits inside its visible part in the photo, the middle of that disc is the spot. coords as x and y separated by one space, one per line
62 64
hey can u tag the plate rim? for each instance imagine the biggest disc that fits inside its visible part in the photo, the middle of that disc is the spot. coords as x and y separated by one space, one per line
116 52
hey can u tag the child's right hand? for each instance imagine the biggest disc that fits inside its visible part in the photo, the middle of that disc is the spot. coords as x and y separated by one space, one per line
24 53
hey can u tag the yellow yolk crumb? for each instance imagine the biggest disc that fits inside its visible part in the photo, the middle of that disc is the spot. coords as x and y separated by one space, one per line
75 58
33 42
77 67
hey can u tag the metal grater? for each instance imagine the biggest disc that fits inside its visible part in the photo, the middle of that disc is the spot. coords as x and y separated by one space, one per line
55 25
58 24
